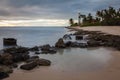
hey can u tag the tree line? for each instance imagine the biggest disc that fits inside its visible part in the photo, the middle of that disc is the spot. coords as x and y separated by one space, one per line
105 17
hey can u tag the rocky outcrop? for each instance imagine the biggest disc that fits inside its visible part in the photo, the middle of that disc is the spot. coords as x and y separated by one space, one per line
9 41
67 37
48 49
97 39
60 43
6 59
3 75
36 48
18 53
29 66
34 63
4 71
45 47
44 62
79 37
37 52
17 49
20 57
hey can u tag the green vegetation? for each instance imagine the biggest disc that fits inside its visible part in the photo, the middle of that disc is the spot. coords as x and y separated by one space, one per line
71 22
106 17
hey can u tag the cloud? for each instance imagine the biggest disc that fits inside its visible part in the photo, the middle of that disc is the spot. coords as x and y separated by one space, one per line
51 9
37 22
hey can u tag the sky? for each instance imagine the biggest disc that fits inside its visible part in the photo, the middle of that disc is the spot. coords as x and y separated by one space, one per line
48 12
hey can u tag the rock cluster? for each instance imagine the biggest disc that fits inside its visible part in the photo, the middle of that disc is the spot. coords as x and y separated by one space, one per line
97 39
9 42
34 62
11 56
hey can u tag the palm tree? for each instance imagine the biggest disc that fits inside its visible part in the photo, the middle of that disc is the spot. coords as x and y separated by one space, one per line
90 18
79 18
71 21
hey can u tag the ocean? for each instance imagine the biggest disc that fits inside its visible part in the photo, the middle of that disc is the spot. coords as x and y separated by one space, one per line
32 36
67 60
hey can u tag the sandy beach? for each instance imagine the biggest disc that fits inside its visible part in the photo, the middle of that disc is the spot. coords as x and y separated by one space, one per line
110 72
115 30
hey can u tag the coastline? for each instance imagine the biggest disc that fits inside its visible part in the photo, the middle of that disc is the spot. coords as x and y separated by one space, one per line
110 72
115 30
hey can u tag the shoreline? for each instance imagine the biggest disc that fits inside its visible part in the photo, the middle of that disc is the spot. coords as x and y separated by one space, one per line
115 30
110 72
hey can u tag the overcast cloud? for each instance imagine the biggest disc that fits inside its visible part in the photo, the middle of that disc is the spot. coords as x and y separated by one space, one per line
50 9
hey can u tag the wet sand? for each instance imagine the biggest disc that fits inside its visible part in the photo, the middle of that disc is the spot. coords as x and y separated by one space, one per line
110 72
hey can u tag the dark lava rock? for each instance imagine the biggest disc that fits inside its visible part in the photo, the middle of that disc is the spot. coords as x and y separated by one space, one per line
49 52
14 50
52 51
93 43
6 69
79 37
83 45
3 75
45 47
31 65
44 62
67 37
9 41
79 45
68 44
37 52
60 43
18 53
14 65
32 58
34 63
7 59
34 48
20 57
48 49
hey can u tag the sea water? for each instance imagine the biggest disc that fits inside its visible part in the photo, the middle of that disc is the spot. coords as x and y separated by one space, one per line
70 59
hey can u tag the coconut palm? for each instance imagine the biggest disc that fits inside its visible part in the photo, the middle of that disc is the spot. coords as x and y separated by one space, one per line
71 21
